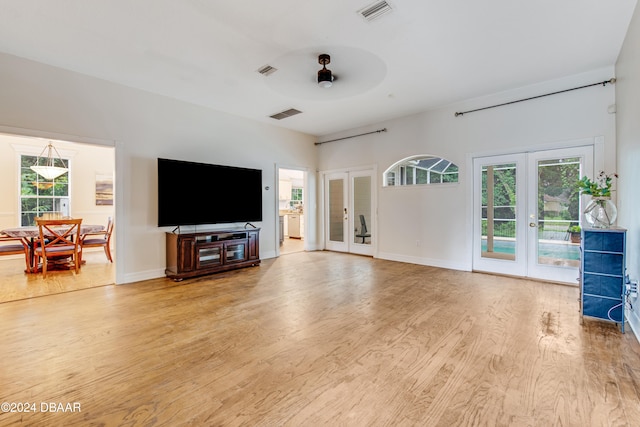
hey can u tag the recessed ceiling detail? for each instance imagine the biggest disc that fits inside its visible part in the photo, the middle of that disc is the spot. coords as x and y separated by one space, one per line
286 113
375 10
297 76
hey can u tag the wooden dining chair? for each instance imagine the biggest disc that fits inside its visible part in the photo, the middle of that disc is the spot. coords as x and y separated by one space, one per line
59 238
99 239
15 246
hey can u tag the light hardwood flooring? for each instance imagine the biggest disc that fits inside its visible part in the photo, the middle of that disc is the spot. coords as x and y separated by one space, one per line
17 285
319 338
291 245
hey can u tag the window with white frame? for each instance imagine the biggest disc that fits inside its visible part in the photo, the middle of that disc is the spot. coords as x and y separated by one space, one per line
39 195
419 170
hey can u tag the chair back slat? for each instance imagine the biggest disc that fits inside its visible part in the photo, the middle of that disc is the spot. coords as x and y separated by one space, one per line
58 237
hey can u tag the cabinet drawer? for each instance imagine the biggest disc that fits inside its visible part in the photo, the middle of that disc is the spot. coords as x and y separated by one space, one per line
602 285
600 241
604 263
599 307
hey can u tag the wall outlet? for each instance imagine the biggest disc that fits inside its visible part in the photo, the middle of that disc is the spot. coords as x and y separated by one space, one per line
632 289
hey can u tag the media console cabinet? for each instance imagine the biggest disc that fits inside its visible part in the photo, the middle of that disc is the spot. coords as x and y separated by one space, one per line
197 254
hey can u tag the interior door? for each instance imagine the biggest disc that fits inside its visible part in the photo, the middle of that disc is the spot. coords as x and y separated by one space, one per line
361 209
349 211
336 211
523 206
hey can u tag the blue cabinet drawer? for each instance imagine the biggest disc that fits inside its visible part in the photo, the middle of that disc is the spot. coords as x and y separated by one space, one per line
603 263
603 241
599 307
603 285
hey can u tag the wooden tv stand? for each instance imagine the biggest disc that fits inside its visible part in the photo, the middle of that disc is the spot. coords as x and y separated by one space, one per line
197 254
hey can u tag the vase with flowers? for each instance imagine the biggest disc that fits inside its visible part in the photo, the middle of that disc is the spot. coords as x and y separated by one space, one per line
600 212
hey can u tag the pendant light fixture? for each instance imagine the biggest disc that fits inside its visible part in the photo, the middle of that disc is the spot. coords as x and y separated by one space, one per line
325 79
49 170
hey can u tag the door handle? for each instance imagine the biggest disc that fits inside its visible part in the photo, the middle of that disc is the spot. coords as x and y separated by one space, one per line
345 214
532 224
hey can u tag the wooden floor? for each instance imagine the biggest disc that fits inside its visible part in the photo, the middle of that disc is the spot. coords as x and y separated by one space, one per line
17 285
318 338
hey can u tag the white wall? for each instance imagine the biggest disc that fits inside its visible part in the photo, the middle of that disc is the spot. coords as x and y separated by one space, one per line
628 133
439 217
48 100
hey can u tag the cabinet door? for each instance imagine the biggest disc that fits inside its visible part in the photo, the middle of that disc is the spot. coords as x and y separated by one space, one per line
235 251
185 254
254 250
209 255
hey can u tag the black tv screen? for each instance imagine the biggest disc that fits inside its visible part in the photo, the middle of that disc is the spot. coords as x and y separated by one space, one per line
192 193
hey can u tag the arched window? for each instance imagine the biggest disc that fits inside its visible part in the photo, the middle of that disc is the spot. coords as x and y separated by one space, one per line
418 170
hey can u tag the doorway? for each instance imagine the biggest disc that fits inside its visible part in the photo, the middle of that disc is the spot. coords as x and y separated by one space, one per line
291 210
524 205
83 194
349 219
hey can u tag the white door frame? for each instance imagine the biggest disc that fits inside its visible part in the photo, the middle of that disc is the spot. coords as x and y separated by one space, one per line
305 202
350 223
525 264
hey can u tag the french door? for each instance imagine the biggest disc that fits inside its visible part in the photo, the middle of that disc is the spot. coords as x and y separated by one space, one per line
523 206
349 212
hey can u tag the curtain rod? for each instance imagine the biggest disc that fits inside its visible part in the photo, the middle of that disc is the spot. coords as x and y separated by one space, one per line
604 83
352 136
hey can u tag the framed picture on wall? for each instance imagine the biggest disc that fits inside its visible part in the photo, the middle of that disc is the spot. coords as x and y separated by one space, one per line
104 189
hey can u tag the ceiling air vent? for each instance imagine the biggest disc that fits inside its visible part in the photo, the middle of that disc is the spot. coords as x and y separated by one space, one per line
375 10
287 113
267 70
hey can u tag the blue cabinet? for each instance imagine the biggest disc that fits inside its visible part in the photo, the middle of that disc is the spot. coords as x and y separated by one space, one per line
602 274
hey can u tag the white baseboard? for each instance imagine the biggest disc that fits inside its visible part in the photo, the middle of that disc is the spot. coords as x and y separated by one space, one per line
424 261
634 322
142 275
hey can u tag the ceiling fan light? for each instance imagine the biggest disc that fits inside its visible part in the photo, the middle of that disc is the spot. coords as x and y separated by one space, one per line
325 79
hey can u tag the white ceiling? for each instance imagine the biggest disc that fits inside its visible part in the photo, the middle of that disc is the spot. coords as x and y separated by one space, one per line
424 54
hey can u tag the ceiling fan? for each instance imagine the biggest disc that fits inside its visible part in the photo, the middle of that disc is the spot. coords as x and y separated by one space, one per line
325 78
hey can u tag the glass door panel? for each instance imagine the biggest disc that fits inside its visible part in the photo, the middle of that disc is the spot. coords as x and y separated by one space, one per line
235 252
499 230
558 209
337 210
336 214
499 211
209 255
554 205
361 219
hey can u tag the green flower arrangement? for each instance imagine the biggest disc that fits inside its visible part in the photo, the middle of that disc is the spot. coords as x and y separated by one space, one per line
599 187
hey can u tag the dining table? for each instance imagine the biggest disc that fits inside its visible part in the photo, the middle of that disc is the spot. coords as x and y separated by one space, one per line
29 234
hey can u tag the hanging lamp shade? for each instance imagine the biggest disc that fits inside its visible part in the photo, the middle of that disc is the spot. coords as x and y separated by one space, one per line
49 170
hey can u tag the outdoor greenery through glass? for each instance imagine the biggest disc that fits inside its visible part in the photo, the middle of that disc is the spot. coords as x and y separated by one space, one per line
37 194
296 194
504 200
558 198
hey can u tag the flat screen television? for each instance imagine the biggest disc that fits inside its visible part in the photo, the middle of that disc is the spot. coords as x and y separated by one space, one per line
191 193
